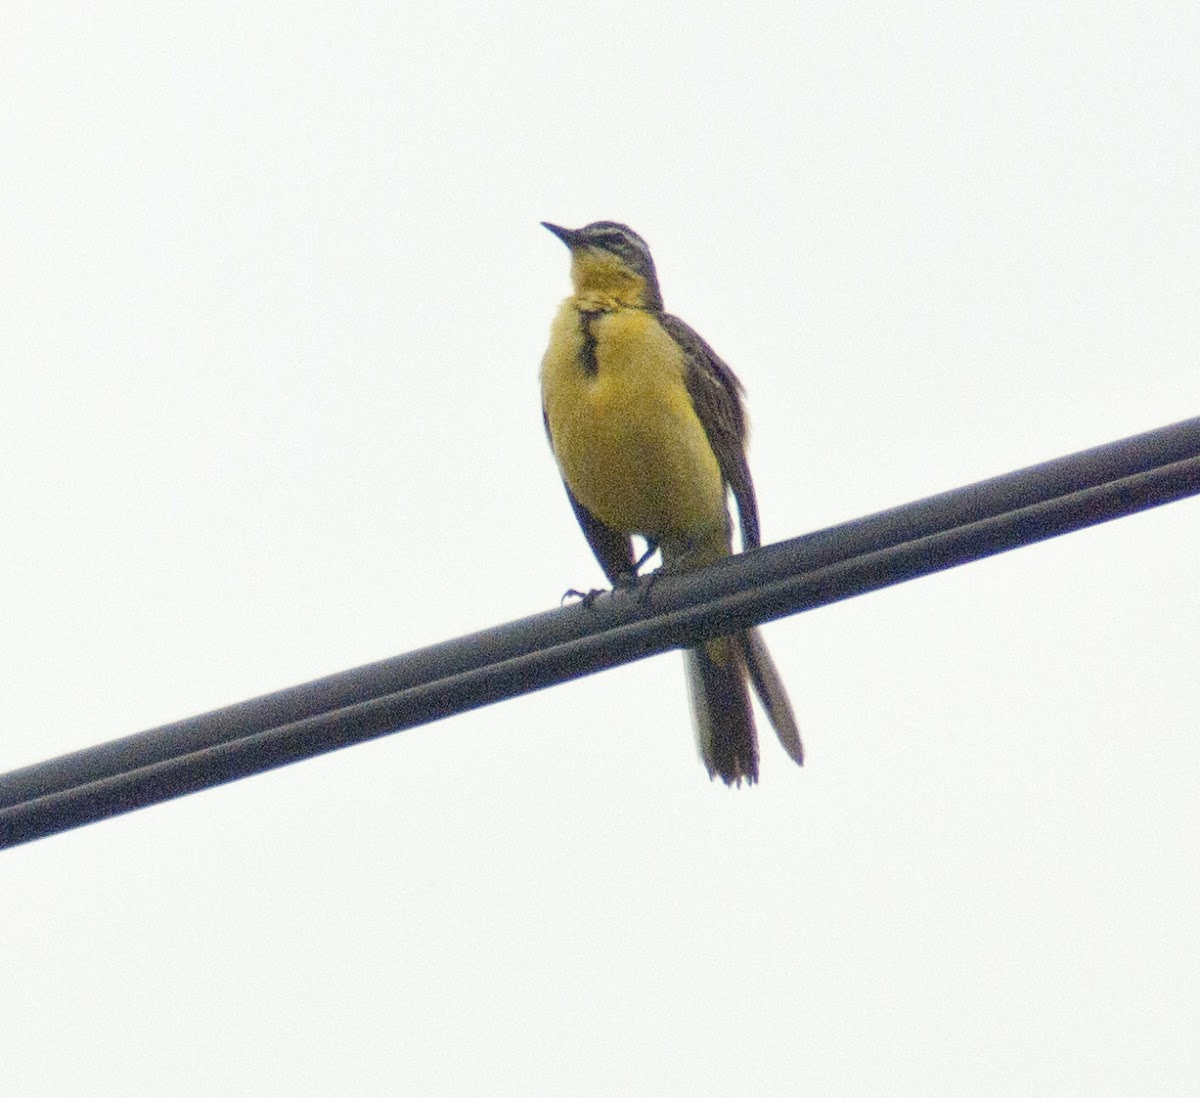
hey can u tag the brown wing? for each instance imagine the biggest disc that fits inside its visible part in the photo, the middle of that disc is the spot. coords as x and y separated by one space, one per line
717 397
613 550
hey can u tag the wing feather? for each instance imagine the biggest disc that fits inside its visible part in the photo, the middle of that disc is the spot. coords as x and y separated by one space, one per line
613 550
717 397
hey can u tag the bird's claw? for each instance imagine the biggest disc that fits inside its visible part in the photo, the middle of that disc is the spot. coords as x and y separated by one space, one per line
586 598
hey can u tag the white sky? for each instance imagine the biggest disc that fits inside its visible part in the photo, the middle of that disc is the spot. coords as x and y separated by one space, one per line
273 300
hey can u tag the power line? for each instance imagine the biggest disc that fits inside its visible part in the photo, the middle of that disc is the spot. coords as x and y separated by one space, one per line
916 539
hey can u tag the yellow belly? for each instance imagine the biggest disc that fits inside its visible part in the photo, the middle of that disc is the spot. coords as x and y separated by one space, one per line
627 439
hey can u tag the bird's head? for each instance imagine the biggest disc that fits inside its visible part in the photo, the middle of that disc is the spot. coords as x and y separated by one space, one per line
610 263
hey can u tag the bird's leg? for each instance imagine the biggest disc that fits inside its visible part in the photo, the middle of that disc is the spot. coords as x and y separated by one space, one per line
651 549
634 578
624 581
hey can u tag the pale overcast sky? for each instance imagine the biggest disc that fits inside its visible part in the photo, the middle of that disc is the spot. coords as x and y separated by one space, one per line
273 302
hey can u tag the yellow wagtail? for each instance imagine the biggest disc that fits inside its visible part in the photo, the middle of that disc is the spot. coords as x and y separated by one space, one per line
647 426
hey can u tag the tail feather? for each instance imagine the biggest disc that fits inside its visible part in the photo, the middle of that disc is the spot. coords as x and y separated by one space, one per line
771 693
716 677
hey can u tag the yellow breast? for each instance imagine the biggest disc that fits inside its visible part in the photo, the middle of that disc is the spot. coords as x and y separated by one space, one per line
625 433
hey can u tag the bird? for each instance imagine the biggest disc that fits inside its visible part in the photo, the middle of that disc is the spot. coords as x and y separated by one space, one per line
648 429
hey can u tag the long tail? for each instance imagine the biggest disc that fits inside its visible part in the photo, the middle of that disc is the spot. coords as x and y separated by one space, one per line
717 676
771 694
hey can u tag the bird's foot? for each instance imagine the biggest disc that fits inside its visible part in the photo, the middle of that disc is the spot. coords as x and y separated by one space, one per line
586 598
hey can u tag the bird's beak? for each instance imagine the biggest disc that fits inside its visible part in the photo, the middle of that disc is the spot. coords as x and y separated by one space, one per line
567 236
